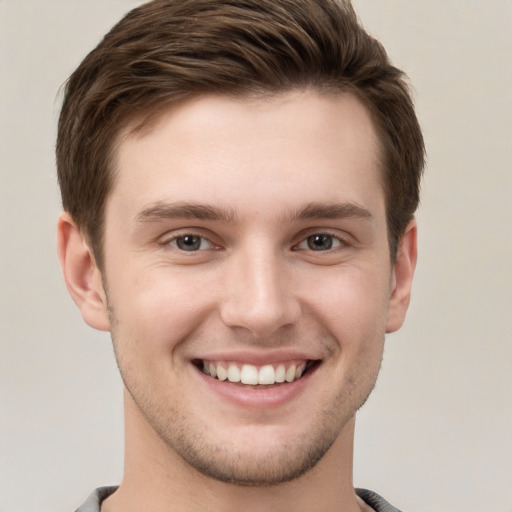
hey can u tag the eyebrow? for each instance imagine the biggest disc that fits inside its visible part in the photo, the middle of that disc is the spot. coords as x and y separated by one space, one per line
314 211
162 211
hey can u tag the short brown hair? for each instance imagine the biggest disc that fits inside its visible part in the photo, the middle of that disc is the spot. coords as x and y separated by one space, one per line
166 50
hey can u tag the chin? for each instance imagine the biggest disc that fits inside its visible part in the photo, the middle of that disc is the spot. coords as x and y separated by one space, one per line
252 455
256 467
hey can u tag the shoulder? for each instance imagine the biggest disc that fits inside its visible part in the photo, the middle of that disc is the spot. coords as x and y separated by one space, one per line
93 502
378 503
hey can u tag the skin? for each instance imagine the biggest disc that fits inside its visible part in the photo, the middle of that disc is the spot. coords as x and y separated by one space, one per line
272 173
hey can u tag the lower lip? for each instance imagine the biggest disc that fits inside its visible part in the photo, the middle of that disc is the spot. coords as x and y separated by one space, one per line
256 397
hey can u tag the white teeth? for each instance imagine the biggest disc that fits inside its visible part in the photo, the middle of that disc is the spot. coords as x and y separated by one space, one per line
267 375
251 375
290 373
233 373
280 373
222 373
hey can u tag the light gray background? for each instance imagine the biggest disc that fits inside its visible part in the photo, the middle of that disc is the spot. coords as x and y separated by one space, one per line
437 433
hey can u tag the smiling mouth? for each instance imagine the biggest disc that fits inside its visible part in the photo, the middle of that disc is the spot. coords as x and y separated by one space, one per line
251 375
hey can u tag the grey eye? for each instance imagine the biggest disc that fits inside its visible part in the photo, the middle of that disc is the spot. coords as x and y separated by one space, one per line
320 242
190 243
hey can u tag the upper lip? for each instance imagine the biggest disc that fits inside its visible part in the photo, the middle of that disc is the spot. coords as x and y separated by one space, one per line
258 358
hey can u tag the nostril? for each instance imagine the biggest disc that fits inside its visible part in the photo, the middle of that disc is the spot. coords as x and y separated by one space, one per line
263 320
258 295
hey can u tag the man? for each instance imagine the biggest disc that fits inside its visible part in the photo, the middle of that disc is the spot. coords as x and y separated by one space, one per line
239 180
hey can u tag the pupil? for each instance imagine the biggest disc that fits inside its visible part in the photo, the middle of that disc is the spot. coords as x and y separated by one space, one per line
320 242
189 243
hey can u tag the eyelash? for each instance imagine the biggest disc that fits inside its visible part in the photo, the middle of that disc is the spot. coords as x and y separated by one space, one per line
174 241
336 240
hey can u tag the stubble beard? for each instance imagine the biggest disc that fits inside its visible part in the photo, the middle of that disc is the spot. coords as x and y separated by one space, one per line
184 436
248 469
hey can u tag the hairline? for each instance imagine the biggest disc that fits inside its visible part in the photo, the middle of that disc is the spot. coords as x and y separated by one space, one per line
141 123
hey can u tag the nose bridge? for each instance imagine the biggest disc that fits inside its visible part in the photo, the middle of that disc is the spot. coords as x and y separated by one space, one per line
259 295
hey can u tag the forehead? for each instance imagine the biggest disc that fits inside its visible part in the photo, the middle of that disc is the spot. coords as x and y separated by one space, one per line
284 149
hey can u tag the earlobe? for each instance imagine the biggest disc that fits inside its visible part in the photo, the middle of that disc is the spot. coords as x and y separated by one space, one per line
82 276
403 272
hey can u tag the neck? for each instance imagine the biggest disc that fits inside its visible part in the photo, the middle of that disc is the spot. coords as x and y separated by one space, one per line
157 479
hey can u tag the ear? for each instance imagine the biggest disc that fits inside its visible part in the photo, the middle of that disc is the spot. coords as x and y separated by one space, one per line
82 276
403 272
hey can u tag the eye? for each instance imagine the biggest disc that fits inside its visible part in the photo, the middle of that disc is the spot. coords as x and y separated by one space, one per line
190 243
320 242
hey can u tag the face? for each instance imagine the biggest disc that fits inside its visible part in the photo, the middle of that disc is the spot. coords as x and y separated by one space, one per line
248 279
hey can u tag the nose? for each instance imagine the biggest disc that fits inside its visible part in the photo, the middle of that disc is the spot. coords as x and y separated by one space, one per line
260 296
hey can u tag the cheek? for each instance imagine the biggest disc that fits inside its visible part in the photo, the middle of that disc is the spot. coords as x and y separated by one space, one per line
354 301
357 320
158 308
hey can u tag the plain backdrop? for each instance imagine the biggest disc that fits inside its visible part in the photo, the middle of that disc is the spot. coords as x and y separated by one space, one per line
437 432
